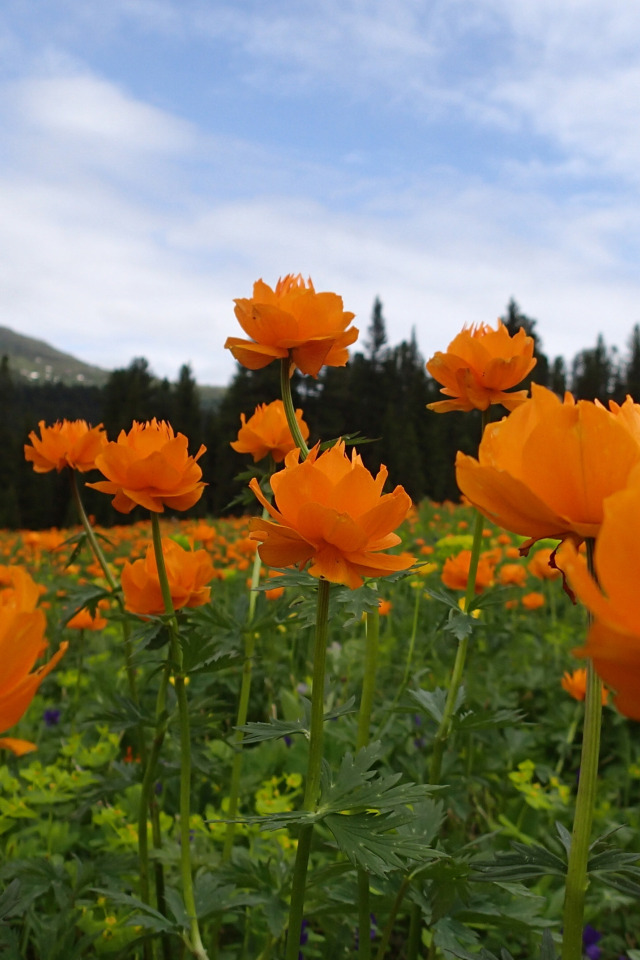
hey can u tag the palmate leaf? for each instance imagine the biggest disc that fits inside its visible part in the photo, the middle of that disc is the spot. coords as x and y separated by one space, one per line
524 863
376 842
432 702
11 903
255 732
359 787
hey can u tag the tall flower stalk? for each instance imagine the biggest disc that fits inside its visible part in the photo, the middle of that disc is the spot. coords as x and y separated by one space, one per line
243 706
362 740
175 653
444 727
286 370
314 769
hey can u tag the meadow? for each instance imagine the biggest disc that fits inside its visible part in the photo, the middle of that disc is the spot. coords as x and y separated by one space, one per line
350 726
491 873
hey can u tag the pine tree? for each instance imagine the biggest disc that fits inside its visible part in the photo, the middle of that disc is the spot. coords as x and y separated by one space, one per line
594 373
514 320
632 366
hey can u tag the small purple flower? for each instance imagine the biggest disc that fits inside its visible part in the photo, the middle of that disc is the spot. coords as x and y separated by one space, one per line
51 717
590 938
287 740
157 788
304 936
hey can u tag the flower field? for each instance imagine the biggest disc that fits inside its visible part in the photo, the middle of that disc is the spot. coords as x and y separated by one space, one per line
69 811
350 726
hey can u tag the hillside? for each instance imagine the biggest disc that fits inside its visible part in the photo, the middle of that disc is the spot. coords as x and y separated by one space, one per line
39 362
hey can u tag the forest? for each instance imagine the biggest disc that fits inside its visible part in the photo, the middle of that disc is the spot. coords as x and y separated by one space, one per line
379 399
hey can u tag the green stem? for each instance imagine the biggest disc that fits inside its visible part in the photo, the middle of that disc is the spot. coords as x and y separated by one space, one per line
444 728
314 770
364 726
195 942
115 589
364 916
369 679
148 781
243 707
286 368
577 874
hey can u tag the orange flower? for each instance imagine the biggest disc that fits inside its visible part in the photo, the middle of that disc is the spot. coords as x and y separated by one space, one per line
22 641
479 365
188 572
533 600
267 432
512 574
332 512
68 443
613 641
83 620
576 685
545 470
384 607
150 466
455 572
540 565
292 321
18 589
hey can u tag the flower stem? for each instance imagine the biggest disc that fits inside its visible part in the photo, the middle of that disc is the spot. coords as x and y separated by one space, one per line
314 770
113 586
444 728
369 679
175 652
364 726
243 706
286 369
577 875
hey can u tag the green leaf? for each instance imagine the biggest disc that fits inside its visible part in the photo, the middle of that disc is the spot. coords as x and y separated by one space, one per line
144 915
460 624
273 730
257 731
565 837
376 842
453 938
359 787
11 903
433 702
524 863
548 950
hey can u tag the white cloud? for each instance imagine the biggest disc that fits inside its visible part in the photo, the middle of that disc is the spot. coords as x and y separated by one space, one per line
128 231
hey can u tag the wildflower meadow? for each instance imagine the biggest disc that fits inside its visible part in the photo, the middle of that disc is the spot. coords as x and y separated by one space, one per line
341 724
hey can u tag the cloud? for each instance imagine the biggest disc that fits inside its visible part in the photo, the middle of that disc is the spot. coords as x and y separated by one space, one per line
129 230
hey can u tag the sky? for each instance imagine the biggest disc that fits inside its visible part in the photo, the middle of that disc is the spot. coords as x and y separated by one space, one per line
159 156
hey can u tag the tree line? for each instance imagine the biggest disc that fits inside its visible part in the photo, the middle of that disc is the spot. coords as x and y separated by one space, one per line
380 396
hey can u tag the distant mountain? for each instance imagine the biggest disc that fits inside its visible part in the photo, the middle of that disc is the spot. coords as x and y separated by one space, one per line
39 362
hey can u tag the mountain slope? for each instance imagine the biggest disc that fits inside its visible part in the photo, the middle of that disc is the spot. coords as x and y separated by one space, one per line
39 362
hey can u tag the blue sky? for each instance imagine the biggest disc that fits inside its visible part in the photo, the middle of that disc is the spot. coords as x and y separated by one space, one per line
158 156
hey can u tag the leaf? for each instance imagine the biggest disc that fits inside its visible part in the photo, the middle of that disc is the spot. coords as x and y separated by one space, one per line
11 902
375 842
452 938
524 863
433 702
144 915
565 837
460 624
358 786
258 731
485 719
548 950
273 730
